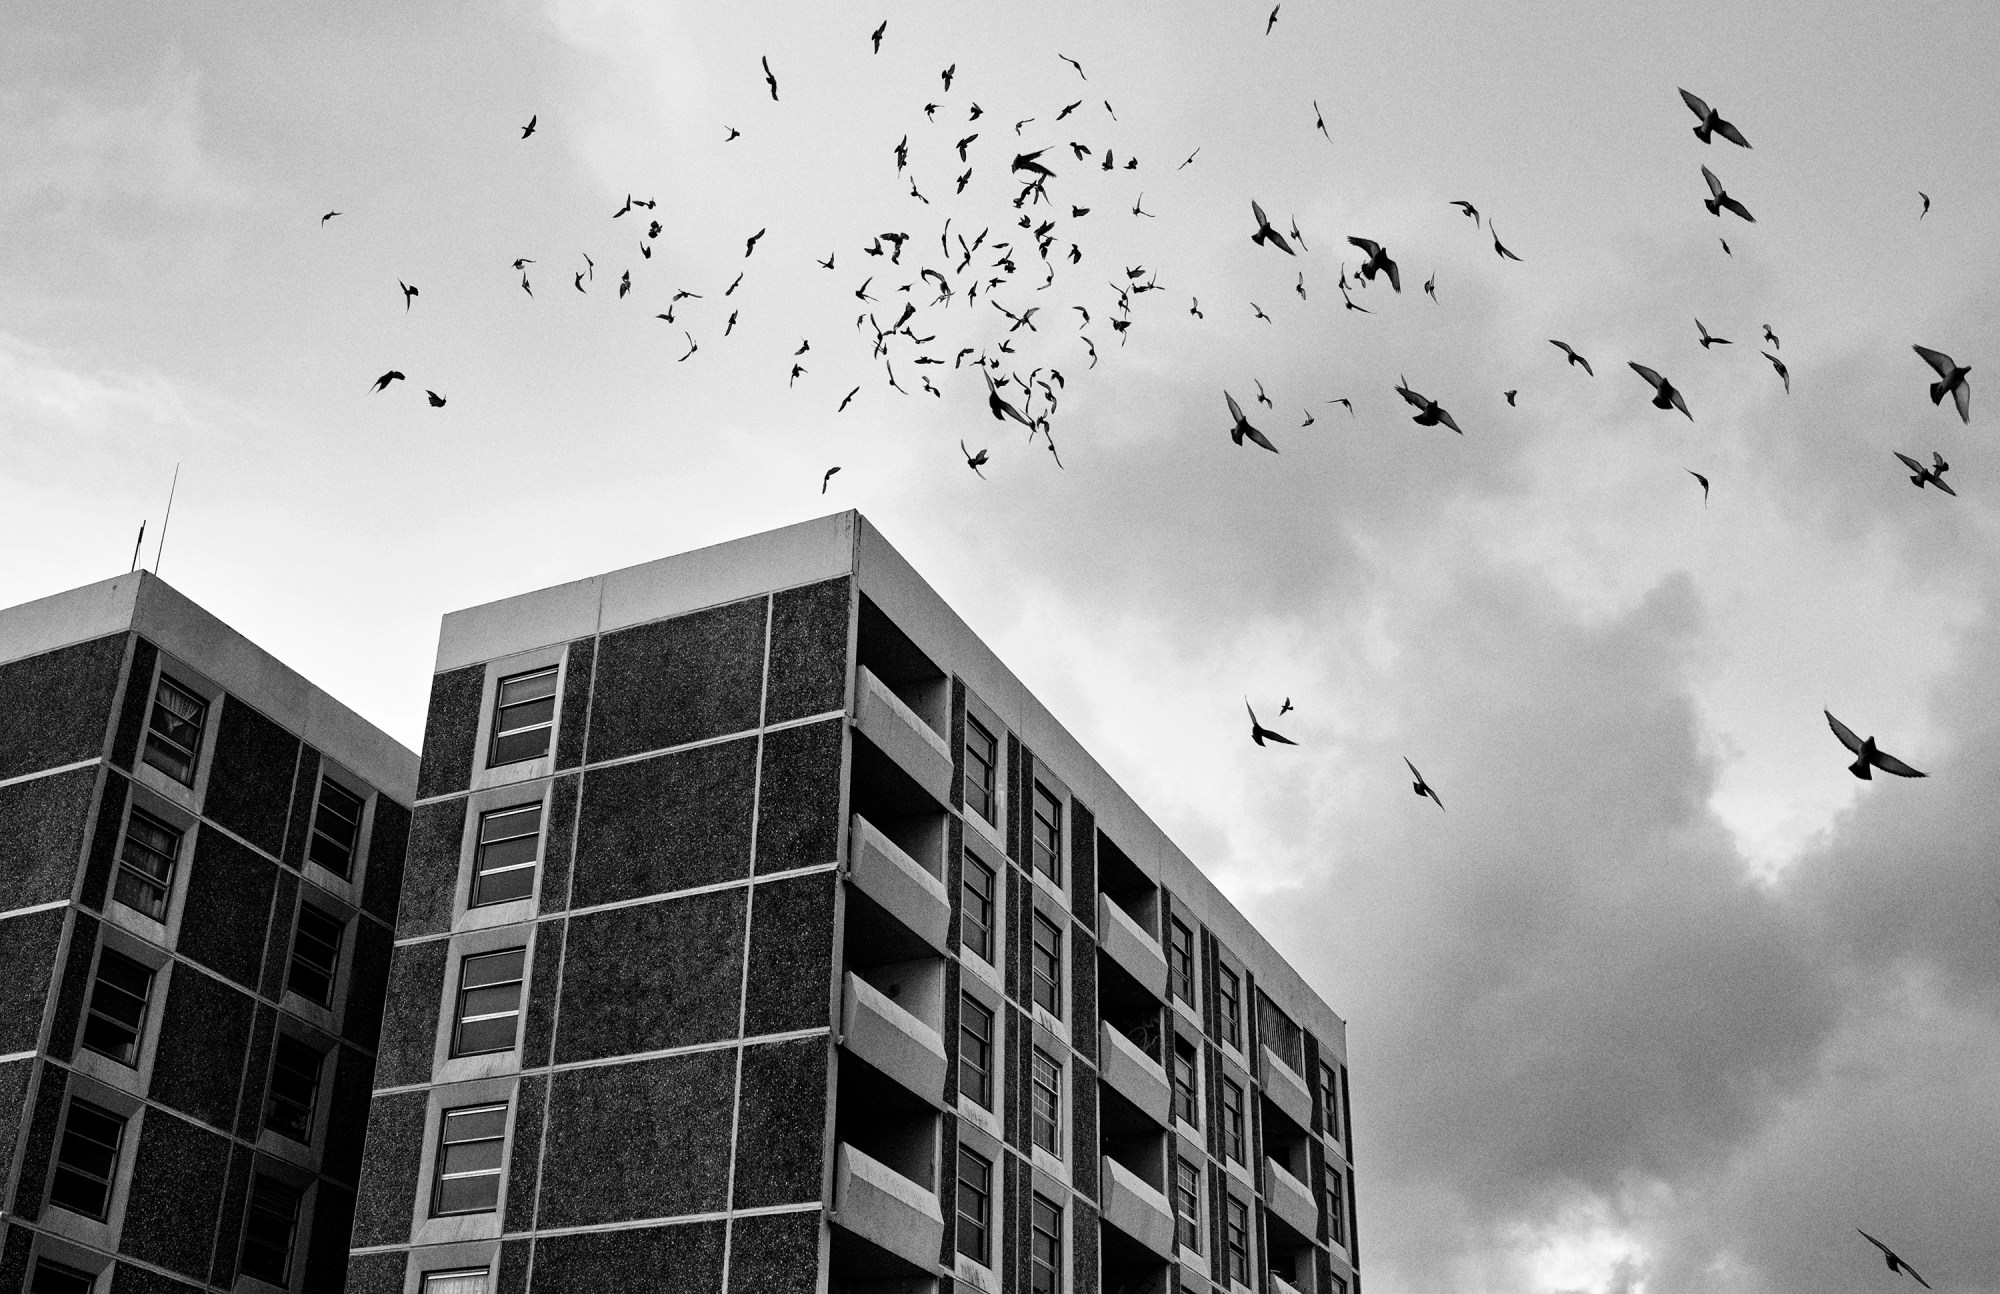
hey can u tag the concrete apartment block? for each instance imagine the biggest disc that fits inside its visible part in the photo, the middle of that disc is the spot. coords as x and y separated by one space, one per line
200 854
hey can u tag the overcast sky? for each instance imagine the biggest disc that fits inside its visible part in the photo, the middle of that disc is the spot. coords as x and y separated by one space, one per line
1666 1001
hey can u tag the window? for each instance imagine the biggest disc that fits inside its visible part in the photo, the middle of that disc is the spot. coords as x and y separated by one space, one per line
58 1278
1180 962
288 1106
489 1002
524 713
1229 1006
1047 966
975 920
1187 1205
1187 1089
1336 1211
117 1007
472 1282
1232 1121
173 736
1339 1286
1281 1034
1045 1102
975 1205
982 761
1329 1100
146 864
336 827
269 1228
1045 836
468 1161
315 955
87 1160
1236 1238
503 863
975 1052
1045 1248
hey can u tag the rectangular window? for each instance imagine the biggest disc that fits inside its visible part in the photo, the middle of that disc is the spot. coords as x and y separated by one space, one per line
1045 1104
87 1160
1045 836
1180 962
1236 1238
975 921
269 1228
315 955
117 1007
1047 966
975 1052
1229 1006
146 864
336 827
982 762
60 1278
472 1282
173 735
1336 1211
489 1002
470 1142
524 714
1231 1100
1329 1100
1339 1286
1187 1088
1187 1205
975 1205
1045 1261
294 1090
503 862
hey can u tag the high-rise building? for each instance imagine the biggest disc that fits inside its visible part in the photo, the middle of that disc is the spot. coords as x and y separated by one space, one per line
762 934
200 854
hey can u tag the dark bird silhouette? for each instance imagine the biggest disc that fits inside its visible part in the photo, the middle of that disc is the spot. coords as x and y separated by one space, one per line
1194 308
733 285
1300 286
798 371
1107 108
1261 397
622 210
731 325
1190 157
947 74
1865 757
624 284
1772 337
1430 412
875 37
963 144
975 113
1951 381
804 346
1934 474
732 135
1707 340
828 477
1242 427
1895 1261
1286 708
646 251
1259 312
902 152
522 262
1001 408
1307 423
1665 394
1498 246
1026 162
579 281
524 285
930 112
1319 121
849 396
973 461
1779 365
1272 21
382 382
1260 734
1349 301
1468 209
1298 237
964 179
1574 358
693 346
1265 234
1725 247
1073 63
1378 262
1712 123
591 266
1920 215
1420 786
1718 200
409 293
328 216
1067 110
1431 287
1341 399
436 400
528 129
1511 394
750 245
769 79
1704 484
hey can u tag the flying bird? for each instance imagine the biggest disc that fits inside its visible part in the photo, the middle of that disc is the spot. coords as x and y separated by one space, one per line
751 245
1712 123
1498 246
1261 397
1319 121
1772 337
1665 394
1895 1261
973 461
1420 786
1298 237
1001 408
1272 21
1073 63
693 346
732 324
1707 340
769 79
1704 484
1266 234
1341 399
328 216
875 37
1259 733
624 284
1934 474
528 129
408 293
1242 428
1865 756
1194 308
1067 110
1307 423
1026 162
849 396
798 371
1920 215
1378 262
524 284
1511 394
828 477
579 281
1725 247
436 400
733 134
1300 286
1574 358
1190 157
382 382
1431 287
1259 312
1951 381
1468 209
733 285
963 144
1430 412
947 74
1286 708
1779 365
1717 199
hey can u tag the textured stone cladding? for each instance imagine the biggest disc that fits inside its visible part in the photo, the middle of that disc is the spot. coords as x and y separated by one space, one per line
250 776
451 730
28 952
58 705
42 824
687 1256
676 681
776 1253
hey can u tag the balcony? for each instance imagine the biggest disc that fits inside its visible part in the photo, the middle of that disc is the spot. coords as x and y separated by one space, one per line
899 883
1137 1209
1131 1073
1279 1285
891 1039
1285 1089
901 734
887 1209
1291 1200
1126 942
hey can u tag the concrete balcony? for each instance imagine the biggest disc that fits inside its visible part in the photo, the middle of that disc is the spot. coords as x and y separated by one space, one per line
1286 1089
891 1039
902 735
1137 1209
1131 1073
886 1208
1279 1285
903 886
1291 1200
1126 942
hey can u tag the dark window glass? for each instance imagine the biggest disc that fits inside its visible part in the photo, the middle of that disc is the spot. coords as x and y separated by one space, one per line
315 955
1236 1238
503 863
336 827
1229 1006
1045 836
470 1142
1045 1102
1329 1100
1180 962
1046 966
459 1282
173 736
146 864
87 1159
975 1052
1281 1034
489 1002
982 760
1336 1213
524 712
975 924
117 1007
1339 1286
1187 1090
268 1229
975 1205
1231 1100
1045 1261
1187 1204
288 1108
56 1278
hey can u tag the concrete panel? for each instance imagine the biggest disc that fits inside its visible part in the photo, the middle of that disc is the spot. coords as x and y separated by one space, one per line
891 1039
668 823
58 705
388 844
1288 1091
64 619
41 836
808 665
227 908
28 951
430 868
204 1039
798 809
805 553
901 735
671 682
1291 1200
1132 1074
648 1139
651 977
488 632
1126 942
791 955
775 1253
781 1124
177 1182
687 1256
879 1204
395 1155
899 883
451 731
1137 1209
250 776
410 1014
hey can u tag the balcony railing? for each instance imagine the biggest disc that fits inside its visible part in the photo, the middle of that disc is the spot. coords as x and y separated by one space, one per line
881 1205
891 1039
1136 1209
1131 1073
902 734
1290 1199
905 888
1285 1088
1126 942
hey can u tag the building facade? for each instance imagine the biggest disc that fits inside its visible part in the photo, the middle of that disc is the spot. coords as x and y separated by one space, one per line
200 854
761 934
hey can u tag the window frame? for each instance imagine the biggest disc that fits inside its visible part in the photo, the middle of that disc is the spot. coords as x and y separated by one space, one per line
204 703
1329 1100
331 969
967 1222
308 1102
1038 1237
1236 1238
1336 1209
59 1164
533 866
460 1018
45 1265
988 785
92 1011
1045 1103
345 869
1051 848
1187 1220
988 901
1229 1005
441 1158
1232 1132
969 1007
292 1228
139 814
424 1285
497 734
1180 962
1184 1100
1053 956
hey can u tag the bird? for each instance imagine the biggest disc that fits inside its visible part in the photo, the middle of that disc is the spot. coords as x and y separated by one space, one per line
1704 484
1259 733
1341 399
1772 337
1000 406
1717 199
624 284
1073 63
1725 247
1307 423
1431 287
591 264
1498 246
828 477
1574 358
1026 162
1259 312
524 284
328 216
1707 340
1378 262
1298 237
1349 301
804 346
947 74
1951 381
1190 157
733 134
1263 399
1242 428
1779 364
1712 122
963 144
1895 1261
734 284
1920 215
1286 708
1319 121
798 371
973 461
1865 756
1511 394
1934 474
1665 394
528 129
732 324
902 152
1137 210
1468 209
1420 786
693 346
437 401
408 293
849 396
1266 234
1194 308
579 281
875 37
1272 21
751 244
769 79
1068 108
382 382
1430 412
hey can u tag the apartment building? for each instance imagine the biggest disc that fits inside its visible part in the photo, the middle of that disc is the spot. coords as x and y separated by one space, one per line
200 854
762 934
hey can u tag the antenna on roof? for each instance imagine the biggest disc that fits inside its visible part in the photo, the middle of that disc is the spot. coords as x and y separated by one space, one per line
162 546
135 548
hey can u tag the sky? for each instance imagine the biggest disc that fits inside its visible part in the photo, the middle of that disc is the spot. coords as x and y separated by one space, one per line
1664 1000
